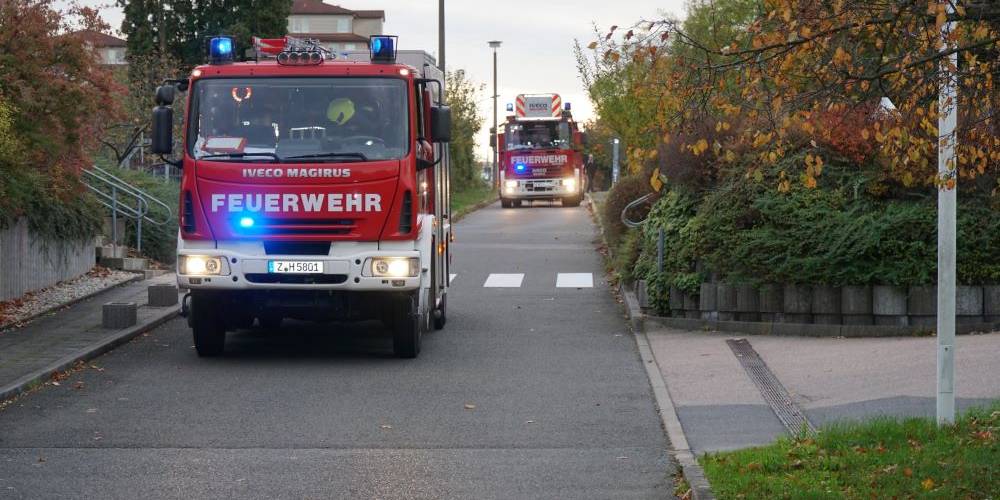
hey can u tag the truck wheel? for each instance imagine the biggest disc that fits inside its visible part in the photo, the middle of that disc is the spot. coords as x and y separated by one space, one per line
208 326
505 203
516 203
441 314
573 201
407 326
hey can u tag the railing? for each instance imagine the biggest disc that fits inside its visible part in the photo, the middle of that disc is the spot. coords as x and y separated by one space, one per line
631 223
126 200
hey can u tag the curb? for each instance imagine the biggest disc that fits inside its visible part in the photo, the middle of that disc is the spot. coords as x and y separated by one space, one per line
43 312
468 210
92 351
679 448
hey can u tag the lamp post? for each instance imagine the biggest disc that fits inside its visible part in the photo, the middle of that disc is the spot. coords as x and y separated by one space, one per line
441 35
495 44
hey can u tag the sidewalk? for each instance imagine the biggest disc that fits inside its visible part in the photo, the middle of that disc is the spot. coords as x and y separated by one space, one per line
830 379
55 341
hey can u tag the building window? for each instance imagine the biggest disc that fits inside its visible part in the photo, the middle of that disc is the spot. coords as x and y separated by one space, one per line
344 25
298 25
350 46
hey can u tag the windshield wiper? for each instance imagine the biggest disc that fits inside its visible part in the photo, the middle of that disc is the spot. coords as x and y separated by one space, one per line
353 156
273 156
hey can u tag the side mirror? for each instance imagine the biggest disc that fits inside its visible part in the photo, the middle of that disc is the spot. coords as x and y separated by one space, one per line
493 140
584 138
165 95
441 123
163 129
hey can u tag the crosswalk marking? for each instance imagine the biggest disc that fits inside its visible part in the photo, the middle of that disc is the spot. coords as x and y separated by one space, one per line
574 280
451 278
504 280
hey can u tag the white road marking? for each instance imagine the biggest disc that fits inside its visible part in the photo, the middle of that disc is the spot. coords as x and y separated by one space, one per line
451 278
575 280
504 280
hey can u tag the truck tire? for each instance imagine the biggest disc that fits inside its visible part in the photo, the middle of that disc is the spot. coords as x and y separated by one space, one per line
441 314
207 326
516 203
505 203
407 326
573 201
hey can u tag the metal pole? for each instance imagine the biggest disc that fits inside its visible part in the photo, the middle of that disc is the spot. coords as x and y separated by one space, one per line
441 35
496 169
947 220
114 216
614 162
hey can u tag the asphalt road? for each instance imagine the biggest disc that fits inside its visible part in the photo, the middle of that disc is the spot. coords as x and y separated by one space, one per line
530 391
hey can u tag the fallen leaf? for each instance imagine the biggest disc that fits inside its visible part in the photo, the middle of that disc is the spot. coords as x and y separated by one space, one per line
78 385
754 466
469 406
385 426
908 472
927 484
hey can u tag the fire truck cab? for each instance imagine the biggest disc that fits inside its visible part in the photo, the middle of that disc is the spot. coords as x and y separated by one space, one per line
540 152
314 187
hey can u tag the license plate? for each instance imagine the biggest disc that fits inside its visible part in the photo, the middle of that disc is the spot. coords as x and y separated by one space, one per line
294 267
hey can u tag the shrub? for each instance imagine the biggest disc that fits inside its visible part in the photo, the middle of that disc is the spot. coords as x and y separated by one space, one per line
628 189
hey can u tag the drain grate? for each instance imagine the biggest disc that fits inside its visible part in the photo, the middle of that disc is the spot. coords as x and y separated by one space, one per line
777 397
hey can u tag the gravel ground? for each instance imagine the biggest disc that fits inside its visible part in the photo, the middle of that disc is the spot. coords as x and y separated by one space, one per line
13 312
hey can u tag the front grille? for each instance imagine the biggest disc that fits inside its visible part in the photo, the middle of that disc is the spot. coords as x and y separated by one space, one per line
297 279
297 247
291 227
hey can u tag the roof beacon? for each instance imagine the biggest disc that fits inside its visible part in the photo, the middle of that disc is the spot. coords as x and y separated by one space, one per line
220 50
383 48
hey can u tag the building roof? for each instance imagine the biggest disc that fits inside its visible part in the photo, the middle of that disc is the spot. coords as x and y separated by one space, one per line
98 39
332 37
300 7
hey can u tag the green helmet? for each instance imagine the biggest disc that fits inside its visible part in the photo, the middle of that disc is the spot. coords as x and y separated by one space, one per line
340 110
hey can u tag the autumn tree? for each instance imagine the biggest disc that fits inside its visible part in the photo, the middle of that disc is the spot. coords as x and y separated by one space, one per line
462 95
54 101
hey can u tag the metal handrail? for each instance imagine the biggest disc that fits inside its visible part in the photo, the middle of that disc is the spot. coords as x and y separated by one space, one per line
136 204
628 222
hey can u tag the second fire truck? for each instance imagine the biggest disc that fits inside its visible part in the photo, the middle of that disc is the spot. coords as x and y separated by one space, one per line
540 154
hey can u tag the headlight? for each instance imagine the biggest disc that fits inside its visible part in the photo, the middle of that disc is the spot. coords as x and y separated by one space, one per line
569 184
200 265
511 185
395 267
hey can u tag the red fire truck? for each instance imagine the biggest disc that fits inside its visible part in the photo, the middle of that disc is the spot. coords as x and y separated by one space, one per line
539 152
314 187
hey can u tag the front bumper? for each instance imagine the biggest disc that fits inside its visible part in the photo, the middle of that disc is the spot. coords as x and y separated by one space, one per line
538 188
246 267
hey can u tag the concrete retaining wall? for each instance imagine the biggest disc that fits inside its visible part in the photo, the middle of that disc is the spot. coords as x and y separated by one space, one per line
27 263
849 310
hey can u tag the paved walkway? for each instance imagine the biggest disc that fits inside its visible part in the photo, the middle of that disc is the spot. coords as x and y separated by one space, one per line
831 379
66 333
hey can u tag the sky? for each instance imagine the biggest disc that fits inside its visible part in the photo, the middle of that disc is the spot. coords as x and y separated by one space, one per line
537 51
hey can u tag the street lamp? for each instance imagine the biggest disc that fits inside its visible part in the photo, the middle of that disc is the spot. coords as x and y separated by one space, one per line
495 44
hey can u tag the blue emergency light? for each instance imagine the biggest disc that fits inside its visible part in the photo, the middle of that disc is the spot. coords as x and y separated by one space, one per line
568 106
383 48
220 50
246 222
520 168
510 107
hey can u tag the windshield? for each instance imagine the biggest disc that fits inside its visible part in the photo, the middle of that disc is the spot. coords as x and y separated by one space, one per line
312 119
538 135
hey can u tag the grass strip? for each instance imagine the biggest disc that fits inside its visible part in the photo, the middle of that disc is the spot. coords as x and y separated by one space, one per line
881 458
